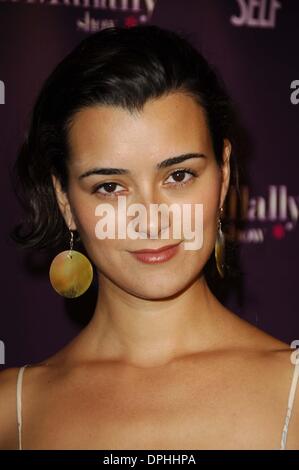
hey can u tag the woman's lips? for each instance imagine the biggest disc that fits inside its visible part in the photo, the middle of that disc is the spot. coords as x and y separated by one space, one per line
156 256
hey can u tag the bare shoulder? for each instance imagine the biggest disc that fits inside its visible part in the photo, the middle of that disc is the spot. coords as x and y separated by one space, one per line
283 370
269 360
8 415
284 367
260 346
38 374
9 434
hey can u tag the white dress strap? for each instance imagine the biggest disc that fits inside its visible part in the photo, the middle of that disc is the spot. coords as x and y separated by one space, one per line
290 406
19 403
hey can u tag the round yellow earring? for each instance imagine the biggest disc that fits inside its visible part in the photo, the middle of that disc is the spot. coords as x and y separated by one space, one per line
70 272
220 248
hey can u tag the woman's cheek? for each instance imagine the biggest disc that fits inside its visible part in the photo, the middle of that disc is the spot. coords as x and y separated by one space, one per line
98 236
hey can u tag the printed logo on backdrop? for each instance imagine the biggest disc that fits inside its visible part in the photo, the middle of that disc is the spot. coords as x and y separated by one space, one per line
295 94
100 14
272 215
256 13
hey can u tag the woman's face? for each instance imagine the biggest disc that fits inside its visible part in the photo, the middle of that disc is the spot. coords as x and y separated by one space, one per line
111 137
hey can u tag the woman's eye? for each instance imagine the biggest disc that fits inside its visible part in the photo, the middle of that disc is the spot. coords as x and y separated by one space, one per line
107 189
179 176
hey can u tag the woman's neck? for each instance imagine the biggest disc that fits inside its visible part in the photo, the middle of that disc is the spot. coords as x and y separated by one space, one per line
148 333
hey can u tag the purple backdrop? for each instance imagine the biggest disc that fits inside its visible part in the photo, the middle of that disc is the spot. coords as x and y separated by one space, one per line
254 44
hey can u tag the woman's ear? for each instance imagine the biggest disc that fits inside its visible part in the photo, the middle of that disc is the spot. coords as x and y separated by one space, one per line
63 203
225 170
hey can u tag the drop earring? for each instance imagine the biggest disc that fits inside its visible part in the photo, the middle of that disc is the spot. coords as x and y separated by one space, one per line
70 272
220 247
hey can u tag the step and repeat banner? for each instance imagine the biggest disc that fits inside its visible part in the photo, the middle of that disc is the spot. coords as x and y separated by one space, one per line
254 45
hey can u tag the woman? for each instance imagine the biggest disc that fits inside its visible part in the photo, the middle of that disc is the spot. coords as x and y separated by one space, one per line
162 364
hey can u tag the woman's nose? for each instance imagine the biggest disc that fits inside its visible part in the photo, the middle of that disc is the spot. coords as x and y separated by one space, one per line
154 219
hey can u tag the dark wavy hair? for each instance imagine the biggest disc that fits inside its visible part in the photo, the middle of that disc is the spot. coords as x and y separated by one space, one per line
116 66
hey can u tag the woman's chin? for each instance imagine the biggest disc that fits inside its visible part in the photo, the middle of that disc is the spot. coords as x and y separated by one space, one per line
158 289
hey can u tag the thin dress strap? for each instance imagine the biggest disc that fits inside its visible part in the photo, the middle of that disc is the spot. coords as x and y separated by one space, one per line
290 406
19 403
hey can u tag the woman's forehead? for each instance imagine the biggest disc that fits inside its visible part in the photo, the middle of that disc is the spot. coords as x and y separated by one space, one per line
165 125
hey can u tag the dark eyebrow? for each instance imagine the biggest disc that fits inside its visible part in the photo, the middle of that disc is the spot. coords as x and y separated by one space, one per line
164 164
